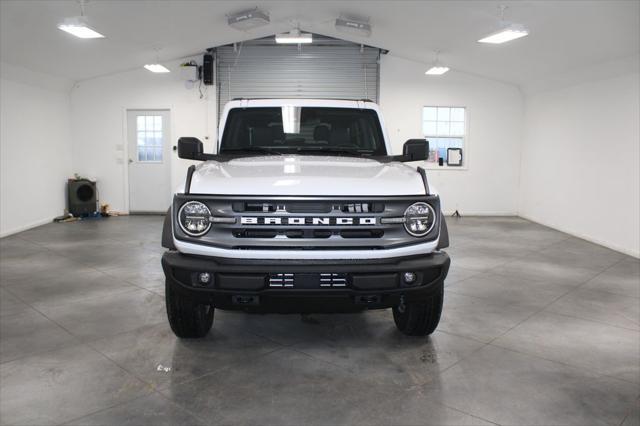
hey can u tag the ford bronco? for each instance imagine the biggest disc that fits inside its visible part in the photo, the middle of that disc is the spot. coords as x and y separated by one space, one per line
303 209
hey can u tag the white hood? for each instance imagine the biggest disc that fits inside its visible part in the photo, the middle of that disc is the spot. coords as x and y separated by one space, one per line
306 176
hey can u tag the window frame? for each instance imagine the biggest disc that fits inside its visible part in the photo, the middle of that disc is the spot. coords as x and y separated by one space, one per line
465 138
145 131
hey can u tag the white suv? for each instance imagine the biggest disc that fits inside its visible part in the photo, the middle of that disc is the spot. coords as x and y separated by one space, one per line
304 210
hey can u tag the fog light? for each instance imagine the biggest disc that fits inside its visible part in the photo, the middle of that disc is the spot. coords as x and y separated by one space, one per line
409 277
204 277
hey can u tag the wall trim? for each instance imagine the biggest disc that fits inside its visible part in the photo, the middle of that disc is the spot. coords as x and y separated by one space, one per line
25 227
614 247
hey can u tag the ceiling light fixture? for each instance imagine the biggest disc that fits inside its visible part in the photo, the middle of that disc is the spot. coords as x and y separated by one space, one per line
512 32
507 32
248 19
294 37
159 68
78 25
355 26
437 68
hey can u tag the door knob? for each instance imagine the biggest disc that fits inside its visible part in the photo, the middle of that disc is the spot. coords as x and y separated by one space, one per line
130 161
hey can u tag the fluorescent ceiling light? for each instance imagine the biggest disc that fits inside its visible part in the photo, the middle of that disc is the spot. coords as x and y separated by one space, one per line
248 19
294 37
78 27
157 68
509 33
437 70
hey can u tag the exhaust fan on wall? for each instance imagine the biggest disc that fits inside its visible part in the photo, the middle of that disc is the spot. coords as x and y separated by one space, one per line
248 19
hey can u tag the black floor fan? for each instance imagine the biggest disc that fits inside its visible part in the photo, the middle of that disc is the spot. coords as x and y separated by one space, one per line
82 197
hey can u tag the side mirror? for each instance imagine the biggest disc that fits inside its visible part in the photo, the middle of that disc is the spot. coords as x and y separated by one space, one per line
190 148
415 150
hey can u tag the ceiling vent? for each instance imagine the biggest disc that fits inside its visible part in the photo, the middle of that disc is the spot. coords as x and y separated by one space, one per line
353 26
248 19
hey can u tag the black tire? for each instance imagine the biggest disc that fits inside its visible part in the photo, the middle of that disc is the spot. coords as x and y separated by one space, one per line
420 318
187 318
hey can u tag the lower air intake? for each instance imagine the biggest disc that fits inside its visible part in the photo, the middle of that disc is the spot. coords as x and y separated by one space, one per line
307 281
281 280
333 280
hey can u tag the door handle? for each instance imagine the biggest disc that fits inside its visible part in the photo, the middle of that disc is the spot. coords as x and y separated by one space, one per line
130 161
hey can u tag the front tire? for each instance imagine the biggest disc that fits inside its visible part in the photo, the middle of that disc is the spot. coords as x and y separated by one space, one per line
420 318
187 318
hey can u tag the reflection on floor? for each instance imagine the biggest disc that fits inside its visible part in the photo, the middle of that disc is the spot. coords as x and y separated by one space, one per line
538 328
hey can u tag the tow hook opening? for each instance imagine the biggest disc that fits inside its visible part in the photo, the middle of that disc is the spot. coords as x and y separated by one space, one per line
245 300
402 307
368 299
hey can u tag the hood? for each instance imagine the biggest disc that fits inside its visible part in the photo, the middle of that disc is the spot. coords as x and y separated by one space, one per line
306 176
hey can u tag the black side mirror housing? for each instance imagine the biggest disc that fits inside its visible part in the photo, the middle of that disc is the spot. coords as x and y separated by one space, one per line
415 150
190 148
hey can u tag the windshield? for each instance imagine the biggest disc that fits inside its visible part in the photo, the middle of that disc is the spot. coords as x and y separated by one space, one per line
292 129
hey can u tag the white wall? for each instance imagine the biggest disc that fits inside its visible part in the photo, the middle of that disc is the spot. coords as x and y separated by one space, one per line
494 110
99 139
489 185
35 150
580 161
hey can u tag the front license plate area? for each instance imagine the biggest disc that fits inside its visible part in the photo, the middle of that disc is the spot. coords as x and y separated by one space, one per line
307 281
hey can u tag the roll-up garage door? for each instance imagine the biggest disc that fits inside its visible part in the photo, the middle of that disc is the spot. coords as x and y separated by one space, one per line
328 68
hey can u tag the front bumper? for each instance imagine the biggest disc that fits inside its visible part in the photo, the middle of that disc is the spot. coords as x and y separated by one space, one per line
360 284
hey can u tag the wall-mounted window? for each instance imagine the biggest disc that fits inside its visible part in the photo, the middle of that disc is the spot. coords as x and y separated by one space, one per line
444 127
149 135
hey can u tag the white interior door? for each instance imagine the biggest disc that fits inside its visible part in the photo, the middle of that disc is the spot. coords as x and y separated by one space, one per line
149 160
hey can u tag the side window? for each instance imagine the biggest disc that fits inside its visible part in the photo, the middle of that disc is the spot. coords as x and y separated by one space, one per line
444 127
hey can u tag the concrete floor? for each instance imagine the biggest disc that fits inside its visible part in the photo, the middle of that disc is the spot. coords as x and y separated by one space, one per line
538 328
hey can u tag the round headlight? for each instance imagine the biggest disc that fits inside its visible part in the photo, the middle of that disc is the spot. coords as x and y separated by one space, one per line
194 218
419 219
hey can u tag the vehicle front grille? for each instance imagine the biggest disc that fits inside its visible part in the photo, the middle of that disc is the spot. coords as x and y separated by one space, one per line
307 233
303 223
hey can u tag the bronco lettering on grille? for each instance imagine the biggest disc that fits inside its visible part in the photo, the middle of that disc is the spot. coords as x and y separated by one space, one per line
298 221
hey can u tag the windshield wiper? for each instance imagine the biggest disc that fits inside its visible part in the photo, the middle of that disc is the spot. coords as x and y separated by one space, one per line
251 149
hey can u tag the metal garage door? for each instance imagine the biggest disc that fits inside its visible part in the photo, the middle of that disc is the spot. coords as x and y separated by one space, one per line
328 68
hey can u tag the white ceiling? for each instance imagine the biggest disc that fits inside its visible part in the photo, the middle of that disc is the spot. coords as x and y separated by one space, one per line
565 36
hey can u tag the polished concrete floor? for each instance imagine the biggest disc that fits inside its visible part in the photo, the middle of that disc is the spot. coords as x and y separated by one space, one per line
539 328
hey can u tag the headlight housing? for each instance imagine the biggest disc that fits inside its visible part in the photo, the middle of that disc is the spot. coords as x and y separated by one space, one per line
193 218
419 219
